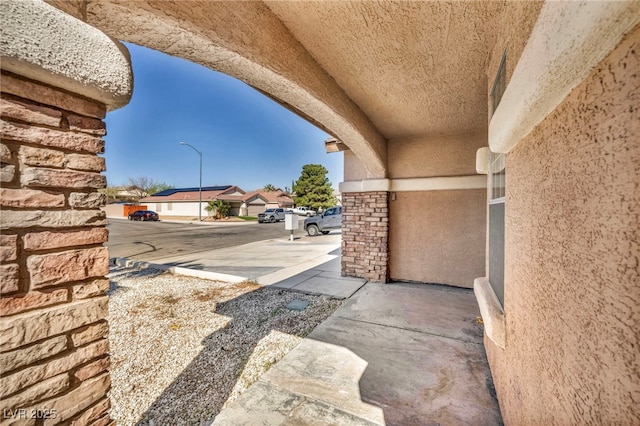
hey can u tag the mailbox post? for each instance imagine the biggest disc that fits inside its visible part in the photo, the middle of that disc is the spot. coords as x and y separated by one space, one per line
291 223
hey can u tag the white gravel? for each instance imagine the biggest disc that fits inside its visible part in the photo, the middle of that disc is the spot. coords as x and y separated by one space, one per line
182 348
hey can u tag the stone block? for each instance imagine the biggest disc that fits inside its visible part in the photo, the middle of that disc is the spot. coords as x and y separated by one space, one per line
45 389
76 401
9 278
41 157
52 138
46 240
7 173
92 369
55 178
89 200
29 327
87 162
30 113
29 198
5 154
92 414
12 383
50 96
34 299
87 124
90 289
8 247
67 266
51 219
90 333
31 354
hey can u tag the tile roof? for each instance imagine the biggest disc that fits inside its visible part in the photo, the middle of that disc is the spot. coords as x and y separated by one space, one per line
225 193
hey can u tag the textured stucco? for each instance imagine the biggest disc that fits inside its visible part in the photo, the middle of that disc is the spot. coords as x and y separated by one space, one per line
247 41
414 67
437 236
567 41
572 257
430 157
44 44
512 28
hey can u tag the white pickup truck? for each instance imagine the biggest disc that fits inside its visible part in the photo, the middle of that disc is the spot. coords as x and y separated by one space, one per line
303 211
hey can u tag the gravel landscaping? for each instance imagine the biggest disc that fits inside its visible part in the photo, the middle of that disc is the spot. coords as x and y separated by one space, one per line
182 348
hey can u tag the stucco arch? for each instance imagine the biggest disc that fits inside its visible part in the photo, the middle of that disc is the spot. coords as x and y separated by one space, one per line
249 43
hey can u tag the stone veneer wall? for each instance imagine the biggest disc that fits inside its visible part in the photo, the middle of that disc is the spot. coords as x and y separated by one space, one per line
365 235
53 330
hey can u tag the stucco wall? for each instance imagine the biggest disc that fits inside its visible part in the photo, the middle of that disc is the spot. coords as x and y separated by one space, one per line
572 257
418 157
438 236
513 26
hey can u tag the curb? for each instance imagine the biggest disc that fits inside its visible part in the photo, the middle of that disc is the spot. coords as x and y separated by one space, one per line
176 270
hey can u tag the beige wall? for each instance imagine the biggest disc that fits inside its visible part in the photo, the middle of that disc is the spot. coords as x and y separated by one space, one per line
430 157
513 27
572 258
354 169
438 236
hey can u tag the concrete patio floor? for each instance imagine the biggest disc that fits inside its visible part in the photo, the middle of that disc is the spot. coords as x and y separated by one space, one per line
394 354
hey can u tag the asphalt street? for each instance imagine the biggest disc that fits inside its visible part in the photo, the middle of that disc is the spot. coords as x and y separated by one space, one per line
156 240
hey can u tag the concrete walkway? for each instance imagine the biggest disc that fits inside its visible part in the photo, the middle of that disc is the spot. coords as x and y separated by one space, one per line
307 265
394 354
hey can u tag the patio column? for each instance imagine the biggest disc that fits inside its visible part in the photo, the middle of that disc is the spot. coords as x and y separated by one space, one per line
365 229
59 77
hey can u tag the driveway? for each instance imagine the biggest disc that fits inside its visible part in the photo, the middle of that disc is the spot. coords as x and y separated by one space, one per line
150 241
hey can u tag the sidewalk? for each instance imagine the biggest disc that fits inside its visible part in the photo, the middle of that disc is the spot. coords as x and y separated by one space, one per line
309 265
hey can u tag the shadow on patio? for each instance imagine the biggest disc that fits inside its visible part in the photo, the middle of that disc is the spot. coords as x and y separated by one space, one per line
395 354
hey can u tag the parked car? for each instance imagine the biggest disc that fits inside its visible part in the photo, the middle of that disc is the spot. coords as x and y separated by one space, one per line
144 215
303 211
324 223
271 215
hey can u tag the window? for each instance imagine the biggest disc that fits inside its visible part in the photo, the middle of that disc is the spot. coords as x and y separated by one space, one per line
497 188
169 206
499 85
497 185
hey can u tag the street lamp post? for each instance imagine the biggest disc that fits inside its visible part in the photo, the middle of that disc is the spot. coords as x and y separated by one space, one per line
200 187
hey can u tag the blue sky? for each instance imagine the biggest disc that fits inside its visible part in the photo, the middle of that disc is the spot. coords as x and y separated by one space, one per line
246 138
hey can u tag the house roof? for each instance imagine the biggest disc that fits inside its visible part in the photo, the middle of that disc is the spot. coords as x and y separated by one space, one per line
192 194
229 193
172 191
274 197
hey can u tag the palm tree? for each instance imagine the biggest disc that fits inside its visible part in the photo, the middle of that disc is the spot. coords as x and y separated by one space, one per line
219 208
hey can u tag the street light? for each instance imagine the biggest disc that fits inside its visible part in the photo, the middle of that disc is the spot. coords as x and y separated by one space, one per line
200 188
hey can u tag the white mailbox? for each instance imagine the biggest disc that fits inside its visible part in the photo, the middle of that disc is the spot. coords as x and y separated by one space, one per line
290 221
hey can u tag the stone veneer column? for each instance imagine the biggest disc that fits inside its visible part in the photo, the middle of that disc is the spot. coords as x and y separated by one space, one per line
54 351
365 235
53 331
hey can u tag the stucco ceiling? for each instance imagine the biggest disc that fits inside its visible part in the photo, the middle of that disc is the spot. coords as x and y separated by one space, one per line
365 71
414 68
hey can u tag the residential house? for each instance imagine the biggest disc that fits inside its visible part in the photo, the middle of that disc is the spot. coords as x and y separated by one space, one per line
186 201
492 145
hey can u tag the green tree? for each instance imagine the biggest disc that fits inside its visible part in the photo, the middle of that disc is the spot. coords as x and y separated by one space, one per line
269 187
219 208
313 188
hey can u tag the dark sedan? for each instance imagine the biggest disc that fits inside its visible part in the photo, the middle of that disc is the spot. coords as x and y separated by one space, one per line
144 215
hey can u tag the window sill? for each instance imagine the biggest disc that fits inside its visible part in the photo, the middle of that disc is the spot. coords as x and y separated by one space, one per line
491 311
